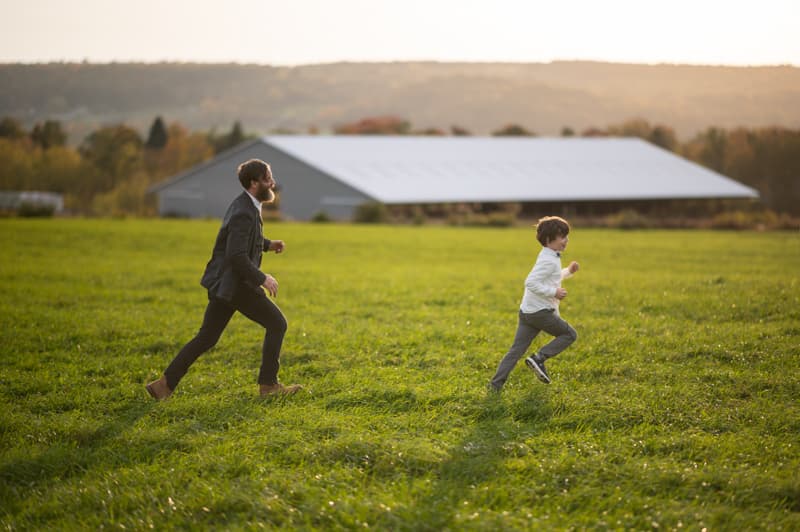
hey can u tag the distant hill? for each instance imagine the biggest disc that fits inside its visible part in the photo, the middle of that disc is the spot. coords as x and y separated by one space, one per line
481 97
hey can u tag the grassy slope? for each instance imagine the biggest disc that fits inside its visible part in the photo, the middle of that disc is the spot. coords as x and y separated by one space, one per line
677 406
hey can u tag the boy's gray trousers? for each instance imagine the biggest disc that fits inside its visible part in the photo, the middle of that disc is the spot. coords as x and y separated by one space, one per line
529 326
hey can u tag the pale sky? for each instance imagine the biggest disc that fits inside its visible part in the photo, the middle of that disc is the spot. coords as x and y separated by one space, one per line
292 32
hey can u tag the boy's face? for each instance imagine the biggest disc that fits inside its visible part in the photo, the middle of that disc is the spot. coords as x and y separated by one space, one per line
559 243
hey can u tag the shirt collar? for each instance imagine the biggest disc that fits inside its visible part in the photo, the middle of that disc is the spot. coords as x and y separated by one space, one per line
551 252
255 201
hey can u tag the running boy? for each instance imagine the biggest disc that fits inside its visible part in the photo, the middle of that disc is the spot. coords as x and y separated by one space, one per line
539 308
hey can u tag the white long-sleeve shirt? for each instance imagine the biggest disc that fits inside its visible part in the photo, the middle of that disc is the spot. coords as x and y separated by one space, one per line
542 282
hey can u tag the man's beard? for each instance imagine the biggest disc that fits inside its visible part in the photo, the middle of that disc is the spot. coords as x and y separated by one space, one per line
265 195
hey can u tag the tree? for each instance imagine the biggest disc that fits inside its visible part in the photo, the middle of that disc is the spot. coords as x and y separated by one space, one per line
10 128
48 135
128 198
184 150
636 127
664 136
740 157
659 135
115 152
458 131
226 142
513 130
766 159
60 169
567 131
431 132
594 132
777 158
236 135
158 136
16 166
378 125
713 153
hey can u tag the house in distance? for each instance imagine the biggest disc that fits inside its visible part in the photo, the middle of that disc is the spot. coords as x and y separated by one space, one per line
335 174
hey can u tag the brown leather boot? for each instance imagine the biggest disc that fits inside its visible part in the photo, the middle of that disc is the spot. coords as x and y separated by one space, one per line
278 389
158 389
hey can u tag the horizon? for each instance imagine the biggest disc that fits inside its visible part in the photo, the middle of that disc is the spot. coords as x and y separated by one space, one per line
386 62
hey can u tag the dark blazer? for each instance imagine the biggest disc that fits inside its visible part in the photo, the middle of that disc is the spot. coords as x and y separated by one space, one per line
236 258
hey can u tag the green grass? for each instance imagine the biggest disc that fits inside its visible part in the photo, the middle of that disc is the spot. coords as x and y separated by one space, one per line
676 408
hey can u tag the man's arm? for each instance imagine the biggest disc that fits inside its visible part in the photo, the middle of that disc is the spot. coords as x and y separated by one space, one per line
274 245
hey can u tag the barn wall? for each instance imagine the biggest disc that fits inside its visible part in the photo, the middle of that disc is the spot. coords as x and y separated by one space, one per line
303 190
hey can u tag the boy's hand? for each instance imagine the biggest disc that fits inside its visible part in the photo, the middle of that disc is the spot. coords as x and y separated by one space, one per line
573 267
561 293
276 246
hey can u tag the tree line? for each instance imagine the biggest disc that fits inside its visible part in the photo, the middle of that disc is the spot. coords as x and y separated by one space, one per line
109 172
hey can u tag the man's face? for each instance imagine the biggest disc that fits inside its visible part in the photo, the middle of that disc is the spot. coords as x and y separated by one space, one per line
264 187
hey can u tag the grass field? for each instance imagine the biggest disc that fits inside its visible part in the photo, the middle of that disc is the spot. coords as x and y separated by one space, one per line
677 408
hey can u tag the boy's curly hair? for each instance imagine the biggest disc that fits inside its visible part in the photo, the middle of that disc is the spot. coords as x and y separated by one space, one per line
550 227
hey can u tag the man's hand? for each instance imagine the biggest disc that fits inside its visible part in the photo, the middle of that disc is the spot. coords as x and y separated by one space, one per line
276 246
573 267
271 284
561 293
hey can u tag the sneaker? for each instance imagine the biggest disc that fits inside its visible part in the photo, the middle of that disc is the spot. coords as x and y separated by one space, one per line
538 367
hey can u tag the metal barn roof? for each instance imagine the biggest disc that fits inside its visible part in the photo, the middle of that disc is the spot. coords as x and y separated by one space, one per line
402 169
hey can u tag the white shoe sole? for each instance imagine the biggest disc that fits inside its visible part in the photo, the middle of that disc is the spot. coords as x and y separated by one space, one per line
536 369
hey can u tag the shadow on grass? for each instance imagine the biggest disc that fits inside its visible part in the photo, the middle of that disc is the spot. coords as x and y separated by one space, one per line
476 463
86 447
77 450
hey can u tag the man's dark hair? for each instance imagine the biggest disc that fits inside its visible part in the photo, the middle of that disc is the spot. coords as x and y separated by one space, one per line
550 227
252 170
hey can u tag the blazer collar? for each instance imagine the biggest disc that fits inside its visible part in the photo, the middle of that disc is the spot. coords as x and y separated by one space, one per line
256 203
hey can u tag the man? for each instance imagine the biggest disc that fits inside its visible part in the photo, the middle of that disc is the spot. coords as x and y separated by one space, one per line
234 282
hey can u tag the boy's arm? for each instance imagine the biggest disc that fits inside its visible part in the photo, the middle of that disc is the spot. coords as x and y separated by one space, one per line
567 272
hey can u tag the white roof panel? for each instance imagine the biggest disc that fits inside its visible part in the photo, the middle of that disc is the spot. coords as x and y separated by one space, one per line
395 169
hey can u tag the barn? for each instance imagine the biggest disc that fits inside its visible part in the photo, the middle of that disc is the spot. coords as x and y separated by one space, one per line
335 174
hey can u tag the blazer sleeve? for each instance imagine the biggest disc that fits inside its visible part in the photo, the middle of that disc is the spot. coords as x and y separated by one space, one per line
240 230
267 242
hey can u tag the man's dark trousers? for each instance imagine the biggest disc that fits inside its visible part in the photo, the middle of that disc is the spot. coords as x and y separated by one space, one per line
253 304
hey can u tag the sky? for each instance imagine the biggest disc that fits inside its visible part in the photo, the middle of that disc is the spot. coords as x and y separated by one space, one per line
297 32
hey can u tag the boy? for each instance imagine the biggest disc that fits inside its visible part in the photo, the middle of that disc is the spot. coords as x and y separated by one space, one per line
539 308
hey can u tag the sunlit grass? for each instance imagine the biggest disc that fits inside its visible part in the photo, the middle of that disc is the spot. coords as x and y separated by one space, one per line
676 408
